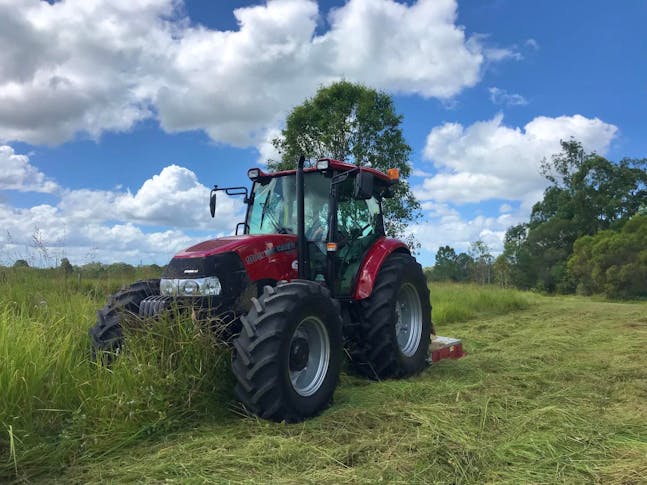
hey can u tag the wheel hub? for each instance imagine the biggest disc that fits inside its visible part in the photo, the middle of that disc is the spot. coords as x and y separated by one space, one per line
299 353
309 356
408 320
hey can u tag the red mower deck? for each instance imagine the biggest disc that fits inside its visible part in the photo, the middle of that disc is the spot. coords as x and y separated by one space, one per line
445 348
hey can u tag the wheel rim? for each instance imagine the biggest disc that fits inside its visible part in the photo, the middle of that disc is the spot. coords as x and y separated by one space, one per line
309 356
408 326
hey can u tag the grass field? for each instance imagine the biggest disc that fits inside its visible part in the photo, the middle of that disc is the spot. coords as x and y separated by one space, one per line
553 390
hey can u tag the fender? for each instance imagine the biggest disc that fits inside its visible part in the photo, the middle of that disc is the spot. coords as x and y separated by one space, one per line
373 262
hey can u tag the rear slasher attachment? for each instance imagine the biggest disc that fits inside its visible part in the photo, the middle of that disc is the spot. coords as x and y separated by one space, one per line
445 348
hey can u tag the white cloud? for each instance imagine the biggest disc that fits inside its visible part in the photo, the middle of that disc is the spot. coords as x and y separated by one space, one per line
78 66
419 47
488 160
62 236
450 228
16 173
532 43
81 67
115 225
267 151
501 96
416 172
173 198
497 54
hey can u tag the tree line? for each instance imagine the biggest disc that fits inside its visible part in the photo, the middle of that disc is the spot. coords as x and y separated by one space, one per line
587 235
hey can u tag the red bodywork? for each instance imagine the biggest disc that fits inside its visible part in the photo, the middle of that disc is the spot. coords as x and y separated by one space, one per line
372 264
274 257
265 256
445 348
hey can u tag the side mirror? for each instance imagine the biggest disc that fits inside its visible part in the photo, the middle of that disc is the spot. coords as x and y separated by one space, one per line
212 202
363 185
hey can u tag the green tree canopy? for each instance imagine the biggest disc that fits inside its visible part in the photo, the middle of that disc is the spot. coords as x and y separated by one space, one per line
66 266
587 194
356 124
21 263
451 266
613 262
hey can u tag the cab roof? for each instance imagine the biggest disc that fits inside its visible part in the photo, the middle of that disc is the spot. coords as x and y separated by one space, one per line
333 164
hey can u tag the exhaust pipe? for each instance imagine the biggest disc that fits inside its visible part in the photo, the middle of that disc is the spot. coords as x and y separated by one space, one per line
302 245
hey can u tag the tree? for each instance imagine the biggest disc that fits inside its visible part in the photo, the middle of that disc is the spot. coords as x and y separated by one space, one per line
359 125
587 194
613 262
66 266
445 267
21 263
483 260
451 266
520 264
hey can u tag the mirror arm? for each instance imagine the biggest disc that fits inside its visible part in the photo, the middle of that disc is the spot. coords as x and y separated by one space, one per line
340 177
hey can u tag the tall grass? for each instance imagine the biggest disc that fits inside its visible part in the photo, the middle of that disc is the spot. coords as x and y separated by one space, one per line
454 302
57 406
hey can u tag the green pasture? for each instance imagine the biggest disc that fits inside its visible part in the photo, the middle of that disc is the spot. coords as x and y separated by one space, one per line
552 390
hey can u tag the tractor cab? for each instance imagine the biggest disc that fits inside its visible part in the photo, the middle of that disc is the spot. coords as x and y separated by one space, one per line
342 215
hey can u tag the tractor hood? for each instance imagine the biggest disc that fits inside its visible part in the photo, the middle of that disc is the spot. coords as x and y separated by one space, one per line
264 256
246 245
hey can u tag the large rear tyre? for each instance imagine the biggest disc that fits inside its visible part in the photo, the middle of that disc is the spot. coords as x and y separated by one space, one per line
287 357
395 322
107 333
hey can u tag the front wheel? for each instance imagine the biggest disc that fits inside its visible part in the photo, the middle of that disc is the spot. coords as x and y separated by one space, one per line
395 322
121 310
287 357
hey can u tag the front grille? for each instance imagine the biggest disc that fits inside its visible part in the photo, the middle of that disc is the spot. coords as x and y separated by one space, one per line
154 305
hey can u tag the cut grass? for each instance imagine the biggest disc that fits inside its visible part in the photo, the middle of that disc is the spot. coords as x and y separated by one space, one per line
553 391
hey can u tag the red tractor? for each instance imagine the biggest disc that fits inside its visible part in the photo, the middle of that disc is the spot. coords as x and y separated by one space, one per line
312 274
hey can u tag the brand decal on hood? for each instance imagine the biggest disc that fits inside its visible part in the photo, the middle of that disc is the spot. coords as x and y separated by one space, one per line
253 258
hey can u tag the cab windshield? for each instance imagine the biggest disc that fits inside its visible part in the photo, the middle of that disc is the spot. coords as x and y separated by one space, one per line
274 210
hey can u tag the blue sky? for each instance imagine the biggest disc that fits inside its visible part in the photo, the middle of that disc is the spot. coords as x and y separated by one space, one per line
116 116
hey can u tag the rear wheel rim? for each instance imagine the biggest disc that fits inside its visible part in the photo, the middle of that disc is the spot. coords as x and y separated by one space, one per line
309 356
408 325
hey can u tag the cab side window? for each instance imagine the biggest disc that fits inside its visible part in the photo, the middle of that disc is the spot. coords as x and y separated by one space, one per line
357 231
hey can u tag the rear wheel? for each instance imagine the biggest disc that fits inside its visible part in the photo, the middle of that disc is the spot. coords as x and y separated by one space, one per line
395 322
122 308
287 357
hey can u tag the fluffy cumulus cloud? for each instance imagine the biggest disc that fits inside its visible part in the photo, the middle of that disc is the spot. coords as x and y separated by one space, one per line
174 197
78 66
491 161
16 173
92 66
113 225
446 226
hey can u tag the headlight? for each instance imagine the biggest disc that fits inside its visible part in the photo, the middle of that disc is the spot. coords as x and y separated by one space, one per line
209 286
